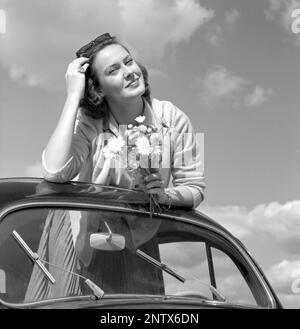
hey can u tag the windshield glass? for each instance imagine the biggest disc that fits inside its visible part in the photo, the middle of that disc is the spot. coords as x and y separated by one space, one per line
120 253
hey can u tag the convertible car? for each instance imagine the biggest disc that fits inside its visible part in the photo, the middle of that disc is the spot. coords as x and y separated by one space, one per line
79 245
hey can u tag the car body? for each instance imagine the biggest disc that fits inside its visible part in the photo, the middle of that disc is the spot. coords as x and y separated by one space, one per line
104 249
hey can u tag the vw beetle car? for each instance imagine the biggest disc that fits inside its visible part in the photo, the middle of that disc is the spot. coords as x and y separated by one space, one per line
79 245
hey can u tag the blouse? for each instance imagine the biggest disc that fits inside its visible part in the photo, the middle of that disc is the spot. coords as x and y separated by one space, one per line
180 154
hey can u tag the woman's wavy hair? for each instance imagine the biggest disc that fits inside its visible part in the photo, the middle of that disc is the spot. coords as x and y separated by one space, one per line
93 102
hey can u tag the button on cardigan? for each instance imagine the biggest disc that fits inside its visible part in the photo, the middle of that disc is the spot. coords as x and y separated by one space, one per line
180 156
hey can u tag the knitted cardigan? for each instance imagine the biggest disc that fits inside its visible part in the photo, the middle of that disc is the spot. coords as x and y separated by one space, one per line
180 156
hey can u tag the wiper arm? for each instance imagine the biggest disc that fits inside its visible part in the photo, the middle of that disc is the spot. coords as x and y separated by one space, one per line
33 256
98 292
160 265
176 274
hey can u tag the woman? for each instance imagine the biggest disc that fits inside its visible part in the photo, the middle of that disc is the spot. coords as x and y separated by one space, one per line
106 88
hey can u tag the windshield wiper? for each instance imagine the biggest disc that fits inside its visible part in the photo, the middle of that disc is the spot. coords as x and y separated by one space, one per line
98 292
33 256
176 274
160 265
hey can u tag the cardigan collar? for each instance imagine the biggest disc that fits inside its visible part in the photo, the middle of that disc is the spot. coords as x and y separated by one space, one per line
110 124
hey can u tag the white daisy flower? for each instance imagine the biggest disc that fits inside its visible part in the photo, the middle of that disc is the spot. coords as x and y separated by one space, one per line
143 145
140 119
114 147
143 129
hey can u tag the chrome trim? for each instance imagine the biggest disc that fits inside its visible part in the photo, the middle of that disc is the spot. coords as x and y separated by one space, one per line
245 253
46 302
129 299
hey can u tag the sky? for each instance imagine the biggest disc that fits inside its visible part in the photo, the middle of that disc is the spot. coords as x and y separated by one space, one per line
231 65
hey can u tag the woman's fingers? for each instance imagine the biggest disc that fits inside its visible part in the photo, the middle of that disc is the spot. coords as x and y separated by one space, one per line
83 68
82 64
154 184
78 63
156 191
75 77
151 177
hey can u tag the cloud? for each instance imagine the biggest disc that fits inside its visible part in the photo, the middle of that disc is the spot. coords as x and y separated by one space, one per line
234 218
215 33
280 11
217 85
258 96
215 36
274 7
152 25
284 275
20 75
272 234
231 17
285 278
277 222
191 253
41 37
34 170
220 86
2 21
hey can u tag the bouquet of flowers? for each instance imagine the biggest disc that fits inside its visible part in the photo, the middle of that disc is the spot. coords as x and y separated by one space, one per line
143 153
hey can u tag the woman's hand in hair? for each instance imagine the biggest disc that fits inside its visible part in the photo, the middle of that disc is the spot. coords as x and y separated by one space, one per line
75 77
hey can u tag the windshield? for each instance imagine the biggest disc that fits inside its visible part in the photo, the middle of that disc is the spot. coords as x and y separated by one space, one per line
118 253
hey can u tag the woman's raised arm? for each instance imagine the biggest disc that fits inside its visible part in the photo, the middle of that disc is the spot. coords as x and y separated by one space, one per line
58 150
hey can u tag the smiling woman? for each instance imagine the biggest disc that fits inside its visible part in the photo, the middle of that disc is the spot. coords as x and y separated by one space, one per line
106 91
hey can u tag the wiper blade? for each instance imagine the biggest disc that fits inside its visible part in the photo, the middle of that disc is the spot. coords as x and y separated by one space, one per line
33 256
176 274
98 292
160 265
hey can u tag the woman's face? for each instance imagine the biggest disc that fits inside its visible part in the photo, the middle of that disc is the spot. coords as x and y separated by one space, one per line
119 75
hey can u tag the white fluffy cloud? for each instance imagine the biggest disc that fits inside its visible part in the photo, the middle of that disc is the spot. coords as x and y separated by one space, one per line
220 85
151 25
280 11
215 33
231 17
285 277
42 37
272 234
277 222
2 21
258 96
215 36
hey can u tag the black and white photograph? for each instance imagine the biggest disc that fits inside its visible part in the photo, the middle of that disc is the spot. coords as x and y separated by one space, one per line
149 156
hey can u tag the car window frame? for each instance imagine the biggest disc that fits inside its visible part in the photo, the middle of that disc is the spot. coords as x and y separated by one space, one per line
76 203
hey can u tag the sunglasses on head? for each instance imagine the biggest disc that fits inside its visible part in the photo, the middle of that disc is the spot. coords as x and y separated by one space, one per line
84 51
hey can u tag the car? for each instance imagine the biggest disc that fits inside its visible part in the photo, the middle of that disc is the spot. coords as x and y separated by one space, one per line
80 245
